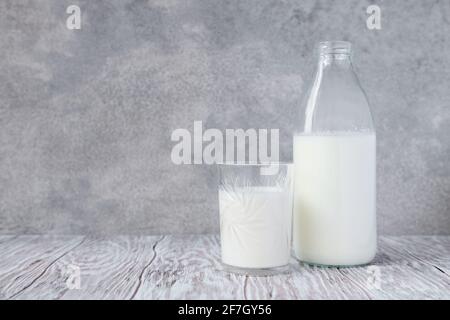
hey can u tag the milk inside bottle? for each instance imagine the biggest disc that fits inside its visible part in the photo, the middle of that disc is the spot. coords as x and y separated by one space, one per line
334 221
334 152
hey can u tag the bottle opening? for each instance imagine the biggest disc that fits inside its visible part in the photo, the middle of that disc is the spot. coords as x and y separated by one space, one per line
335 47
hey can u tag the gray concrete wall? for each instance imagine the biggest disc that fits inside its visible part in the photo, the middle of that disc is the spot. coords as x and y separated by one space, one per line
86 115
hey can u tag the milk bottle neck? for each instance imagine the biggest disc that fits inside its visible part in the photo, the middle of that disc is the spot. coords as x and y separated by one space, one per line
340 61
336 101
335 55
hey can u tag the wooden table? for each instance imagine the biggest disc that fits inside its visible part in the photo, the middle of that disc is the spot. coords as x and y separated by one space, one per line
188 267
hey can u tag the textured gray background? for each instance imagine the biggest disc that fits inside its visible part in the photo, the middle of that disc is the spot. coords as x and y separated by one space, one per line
86 116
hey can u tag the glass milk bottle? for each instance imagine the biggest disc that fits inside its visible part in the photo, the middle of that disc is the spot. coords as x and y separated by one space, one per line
335 167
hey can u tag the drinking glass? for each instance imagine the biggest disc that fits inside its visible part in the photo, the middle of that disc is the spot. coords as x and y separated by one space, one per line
255 204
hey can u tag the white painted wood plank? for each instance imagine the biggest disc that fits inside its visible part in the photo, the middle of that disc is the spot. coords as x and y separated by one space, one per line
306 282
5 238
110 268
395 274
407 270
199 280
25 259
432 250
188 267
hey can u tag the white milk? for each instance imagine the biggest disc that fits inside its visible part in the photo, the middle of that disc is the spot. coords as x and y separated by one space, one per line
255 227
334 198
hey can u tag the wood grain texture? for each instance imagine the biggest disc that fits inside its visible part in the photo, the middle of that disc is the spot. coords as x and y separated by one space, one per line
188 267
110 268
26 259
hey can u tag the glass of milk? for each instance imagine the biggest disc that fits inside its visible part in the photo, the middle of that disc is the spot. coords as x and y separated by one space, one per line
255 204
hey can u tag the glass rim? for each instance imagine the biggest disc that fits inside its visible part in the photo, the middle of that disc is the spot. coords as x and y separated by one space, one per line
335 47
